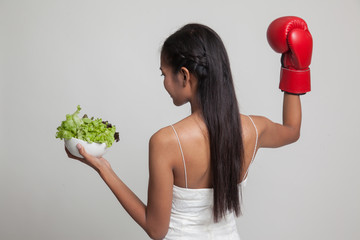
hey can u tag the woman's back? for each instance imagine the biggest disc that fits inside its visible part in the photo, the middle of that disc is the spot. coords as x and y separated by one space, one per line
194 142
192 203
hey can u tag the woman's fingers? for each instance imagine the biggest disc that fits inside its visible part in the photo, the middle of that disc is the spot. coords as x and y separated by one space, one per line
72 156
82 151
87 158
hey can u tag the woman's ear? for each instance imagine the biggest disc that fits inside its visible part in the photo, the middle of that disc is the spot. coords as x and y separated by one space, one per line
185 74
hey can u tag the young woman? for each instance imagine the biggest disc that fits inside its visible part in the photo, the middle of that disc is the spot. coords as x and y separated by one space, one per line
198 166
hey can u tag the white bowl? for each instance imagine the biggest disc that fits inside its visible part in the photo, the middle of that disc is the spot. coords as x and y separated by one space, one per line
95 149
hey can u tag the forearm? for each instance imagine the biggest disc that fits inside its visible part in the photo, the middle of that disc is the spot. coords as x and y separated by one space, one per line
292 114
131 203
153 218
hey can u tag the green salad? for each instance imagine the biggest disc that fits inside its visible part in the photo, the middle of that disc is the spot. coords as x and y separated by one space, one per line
89 130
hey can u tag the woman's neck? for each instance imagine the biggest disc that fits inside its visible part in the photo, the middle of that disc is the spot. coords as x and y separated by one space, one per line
195 106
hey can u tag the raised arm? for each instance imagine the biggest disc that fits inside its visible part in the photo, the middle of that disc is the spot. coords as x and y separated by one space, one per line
291 37
272 135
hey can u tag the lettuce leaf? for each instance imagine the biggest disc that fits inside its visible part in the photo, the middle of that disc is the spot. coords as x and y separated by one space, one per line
90 130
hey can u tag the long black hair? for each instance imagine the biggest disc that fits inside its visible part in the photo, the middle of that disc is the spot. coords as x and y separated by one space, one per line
202 52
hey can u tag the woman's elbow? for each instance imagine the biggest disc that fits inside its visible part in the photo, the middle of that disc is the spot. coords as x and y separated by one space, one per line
295 135
156 233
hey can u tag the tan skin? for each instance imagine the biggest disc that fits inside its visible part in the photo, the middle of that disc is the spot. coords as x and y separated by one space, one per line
165 162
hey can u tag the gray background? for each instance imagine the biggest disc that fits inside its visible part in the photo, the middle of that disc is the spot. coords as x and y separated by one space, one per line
104 55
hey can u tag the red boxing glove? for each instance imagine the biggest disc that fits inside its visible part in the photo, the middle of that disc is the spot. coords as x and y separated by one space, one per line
291 37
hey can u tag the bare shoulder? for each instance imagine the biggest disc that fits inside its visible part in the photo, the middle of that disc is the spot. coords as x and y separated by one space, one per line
162 145
259 121
248 121
162 136
252 122
166 135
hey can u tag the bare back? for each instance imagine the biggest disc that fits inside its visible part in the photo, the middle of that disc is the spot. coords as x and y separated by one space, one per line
194 146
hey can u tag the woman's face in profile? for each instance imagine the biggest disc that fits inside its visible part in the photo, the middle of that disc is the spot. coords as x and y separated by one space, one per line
173 84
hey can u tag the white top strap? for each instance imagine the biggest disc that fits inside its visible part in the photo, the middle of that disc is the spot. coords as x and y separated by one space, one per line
256 142
182 154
